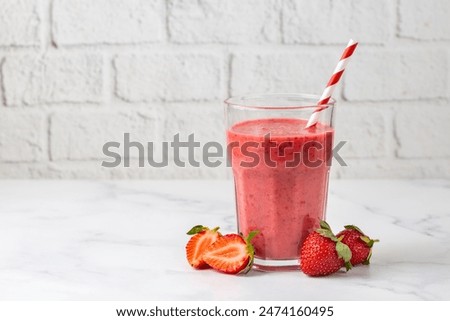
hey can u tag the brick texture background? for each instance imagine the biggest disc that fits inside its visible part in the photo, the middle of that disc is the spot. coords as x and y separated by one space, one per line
75 74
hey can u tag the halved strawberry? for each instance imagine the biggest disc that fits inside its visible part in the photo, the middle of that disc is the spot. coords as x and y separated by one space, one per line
197 245
232 253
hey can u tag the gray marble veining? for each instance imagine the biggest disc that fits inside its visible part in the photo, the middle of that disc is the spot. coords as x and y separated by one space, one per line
124 240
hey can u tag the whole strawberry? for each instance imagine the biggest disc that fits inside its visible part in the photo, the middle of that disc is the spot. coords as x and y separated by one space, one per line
323 253
359 243
202 238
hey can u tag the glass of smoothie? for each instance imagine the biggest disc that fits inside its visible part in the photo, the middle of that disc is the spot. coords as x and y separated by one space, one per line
280 171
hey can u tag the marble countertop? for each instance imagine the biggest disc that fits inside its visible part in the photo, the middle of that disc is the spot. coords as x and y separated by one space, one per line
124 240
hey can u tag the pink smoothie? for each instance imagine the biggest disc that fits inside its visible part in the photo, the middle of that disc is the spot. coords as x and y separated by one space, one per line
285 196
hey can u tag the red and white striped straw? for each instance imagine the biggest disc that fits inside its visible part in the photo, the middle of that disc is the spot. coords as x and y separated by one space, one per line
328 92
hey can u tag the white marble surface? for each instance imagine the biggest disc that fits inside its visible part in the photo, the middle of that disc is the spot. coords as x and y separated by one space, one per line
124 240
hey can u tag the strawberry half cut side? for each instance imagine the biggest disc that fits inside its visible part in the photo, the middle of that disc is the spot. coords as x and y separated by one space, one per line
231 254
202 238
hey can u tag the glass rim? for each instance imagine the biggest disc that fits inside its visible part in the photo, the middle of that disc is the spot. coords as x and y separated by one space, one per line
310 99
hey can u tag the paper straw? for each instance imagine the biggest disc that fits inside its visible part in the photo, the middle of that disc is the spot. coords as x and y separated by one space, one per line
328 92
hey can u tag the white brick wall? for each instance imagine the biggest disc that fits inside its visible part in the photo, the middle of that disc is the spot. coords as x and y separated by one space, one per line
328 22
168 77
424 20
19 23
379 75
368 140
32 80
280 72
420 135
22 136
80 136
75 74
108 21
227 22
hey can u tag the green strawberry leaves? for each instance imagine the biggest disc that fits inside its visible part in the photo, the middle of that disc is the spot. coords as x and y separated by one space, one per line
196 229
342 249
200 228
367 260
251 235
369 242
327 234
353 227
325 230
250 250
324 225
344 253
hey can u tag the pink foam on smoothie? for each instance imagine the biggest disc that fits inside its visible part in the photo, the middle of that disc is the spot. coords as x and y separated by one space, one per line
287 201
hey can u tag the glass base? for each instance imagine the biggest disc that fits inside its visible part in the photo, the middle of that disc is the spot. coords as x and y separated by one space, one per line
275 265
